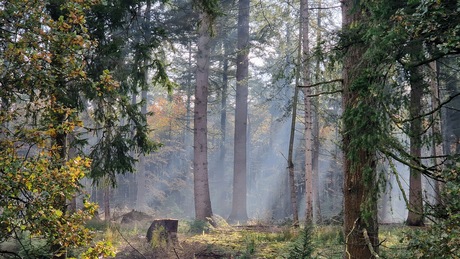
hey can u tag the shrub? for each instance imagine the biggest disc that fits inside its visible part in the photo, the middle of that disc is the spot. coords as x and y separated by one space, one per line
442 239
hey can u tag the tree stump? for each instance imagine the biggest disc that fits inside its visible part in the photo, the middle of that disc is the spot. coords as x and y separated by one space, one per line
162 231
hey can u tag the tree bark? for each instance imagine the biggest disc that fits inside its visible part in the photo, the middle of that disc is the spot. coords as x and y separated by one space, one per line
203 210
360 209
239 209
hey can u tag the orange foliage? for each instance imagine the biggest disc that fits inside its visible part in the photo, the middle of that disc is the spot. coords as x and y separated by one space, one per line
168 115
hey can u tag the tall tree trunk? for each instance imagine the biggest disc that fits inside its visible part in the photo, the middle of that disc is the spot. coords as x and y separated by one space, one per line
308 111
360 209
291 172
239 210
203 210
415 215
315 132
141 172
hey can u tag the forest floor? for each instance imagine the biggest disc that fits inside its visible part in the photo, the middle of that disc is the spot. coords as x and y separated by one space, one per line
200 241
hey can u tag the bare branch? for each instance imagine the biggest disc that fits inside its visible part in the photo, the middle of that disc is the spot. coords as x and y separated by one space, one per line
452 97
321 83
428 171
322 93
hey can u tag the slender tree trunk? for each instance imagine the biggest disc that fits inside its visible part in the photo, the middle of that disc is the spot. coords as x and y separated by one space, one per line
293 189
141 172
437 149
188 142
133 181
239 210
291 172
203 210
316 142
415 215
308 111
315 165
360 209
223 107
106 197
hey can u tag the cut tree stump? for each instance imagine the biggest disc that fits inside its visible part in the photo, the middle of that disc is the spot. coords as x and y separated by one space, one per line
162 231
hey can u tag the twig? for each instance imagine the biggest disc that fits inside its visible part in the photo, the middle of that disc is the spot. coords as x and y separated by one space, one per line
174 249
369 245
119 232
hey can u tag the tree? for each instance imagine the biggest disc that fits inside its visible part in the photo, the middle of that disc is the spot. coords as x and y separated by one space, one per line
292 183
308 110
129 36
43 83
239 210
360 121
315 122
291 172
141 173
203 209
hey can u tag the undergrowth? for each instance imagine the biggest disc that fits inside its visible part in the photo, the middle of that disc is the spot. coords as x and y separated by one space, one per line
200 240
